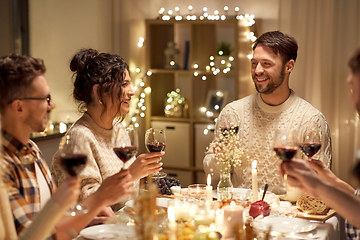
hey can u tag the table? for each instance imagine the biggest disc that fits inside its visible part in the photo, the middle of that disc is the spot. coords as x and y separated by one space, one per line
331 229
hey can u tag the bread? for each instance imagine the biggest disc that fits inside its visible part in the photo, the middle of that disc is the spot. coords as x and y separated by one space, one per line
311 205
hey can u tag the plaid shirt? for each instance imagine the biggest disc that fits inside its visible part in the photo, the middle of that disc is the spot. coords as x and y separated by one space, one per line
351 231
24 193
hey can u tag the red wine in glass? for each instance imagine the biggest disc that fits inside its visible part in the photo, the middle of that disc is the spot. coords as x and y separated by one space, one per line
285 153
155 141
155 147
310 149
125 153
126 143
73 163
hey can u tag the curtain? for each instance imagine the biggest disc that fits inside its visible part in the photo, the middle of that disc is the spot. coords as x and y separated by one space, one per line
328 32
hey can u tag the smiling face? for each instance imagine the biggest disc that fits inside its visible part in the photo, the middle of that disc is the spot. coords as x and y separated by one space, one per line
37 111
267 70
128 92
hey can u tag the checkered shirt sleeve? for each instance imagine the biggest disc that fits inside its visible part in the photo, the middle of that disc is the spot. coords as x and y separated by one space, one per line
351 231
23 189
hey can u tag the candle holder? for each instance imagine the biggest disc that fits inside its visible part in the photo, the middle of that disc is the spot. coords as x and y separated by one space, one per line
197 192
183 210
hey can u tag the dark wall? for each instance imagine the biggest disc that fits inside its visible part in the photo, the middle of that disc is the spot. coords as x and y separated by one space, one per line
14 27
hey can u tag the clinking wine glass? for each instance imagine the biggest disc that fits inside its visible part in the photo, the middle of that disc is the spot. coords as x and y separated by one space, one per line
284 144
310 142
285 147
72 160
126 143
155 141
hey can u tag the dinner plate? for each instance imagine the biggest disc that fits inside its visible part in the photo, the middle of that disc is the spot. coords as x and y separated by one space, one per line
104 231
160 202
284 224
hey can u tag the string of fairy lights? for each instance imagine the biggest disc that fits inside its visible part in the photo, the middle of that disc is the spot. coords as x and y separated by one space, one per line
138 108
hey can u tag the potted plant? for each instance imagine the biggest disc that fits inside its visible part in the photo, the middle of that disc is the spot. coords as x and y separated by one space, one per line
224 49
223 52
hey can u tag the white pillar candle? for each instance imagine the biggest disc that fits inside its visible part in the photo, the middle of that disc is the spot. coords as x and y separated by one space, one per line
255 190
293 193
209 190
233 218
172 223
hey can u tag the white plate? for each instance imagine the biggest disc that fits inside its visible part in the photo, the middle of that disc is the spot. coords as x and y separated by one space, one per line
284 224
160 202
104 231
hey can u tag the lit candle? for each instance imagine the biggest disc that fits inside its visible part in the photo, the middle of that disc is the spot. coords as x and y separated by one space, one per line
172 223
209 190
254 181
233 217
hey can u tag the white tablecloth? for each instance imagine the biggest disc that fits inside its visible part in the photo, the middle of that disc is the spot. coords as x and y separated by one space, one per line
330 230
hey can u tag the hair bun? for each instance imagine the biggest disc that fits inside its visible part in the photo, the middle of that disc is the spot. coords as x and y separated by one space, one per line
82 58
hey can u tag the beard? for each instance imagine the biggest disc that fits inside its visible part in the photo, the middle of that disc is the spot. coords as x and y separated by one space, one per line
273 84
36 124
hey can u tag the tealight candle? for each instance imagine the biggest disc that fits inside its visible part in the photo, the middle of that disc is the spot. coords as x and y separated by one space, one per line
255 190
209 190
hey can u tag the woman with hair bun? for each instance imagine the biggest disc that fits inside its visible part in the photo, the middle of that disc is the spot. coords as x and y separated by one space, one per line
103 91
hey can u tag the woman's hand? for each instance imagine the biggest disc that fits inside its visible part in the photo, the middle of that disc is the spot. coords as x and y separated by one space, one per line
324 172
103 216
115 188
301 175
68 192
146 164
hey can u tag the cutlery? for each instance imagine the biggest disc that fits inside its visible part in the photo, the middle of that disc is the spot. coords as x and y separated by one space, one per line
265 189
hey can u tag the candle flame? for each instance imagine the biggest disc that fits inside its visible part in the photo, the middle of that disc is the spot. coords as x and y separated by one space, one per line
253 164
171 215
208 180
232 203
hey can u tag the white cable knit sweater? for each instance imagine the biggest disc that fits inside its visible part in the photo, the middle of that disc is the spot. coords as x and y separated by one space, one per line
257 124
102 161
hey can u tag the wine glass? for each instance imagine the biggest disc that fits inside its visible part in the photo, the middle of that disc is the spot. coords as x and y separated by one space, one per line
285 147
310 142
155 141
73 160
284 144
126 143
229 124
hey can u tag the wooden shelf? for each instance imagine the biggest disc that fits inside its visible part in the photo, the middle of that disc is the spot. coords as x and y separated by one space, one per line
203 36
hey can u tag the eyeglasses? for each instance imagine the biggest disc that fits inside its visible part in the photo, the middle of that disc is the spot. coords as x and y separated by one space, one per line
48 99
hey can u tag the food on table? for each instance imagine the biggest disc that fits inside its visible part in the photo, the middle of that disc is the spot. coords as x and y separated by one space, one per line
158 211
184 231
311 205
145 217
259 208
165 184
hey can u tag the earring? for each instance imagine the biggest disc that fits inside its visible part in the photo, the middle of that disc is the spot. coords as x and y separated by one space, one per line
100 102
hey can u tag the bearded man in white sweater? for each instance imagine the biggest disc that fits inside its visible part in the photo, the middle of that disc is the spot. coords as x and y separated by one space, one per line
274 106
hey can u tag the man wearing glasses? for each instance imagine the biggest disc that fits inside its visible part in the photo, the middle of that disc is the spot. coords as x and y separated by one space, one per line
25 105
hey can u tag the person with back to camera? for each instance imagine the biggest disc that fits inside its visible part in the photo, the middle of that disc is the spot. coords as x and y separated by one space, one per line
314 178
102 86
274 106
25 104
